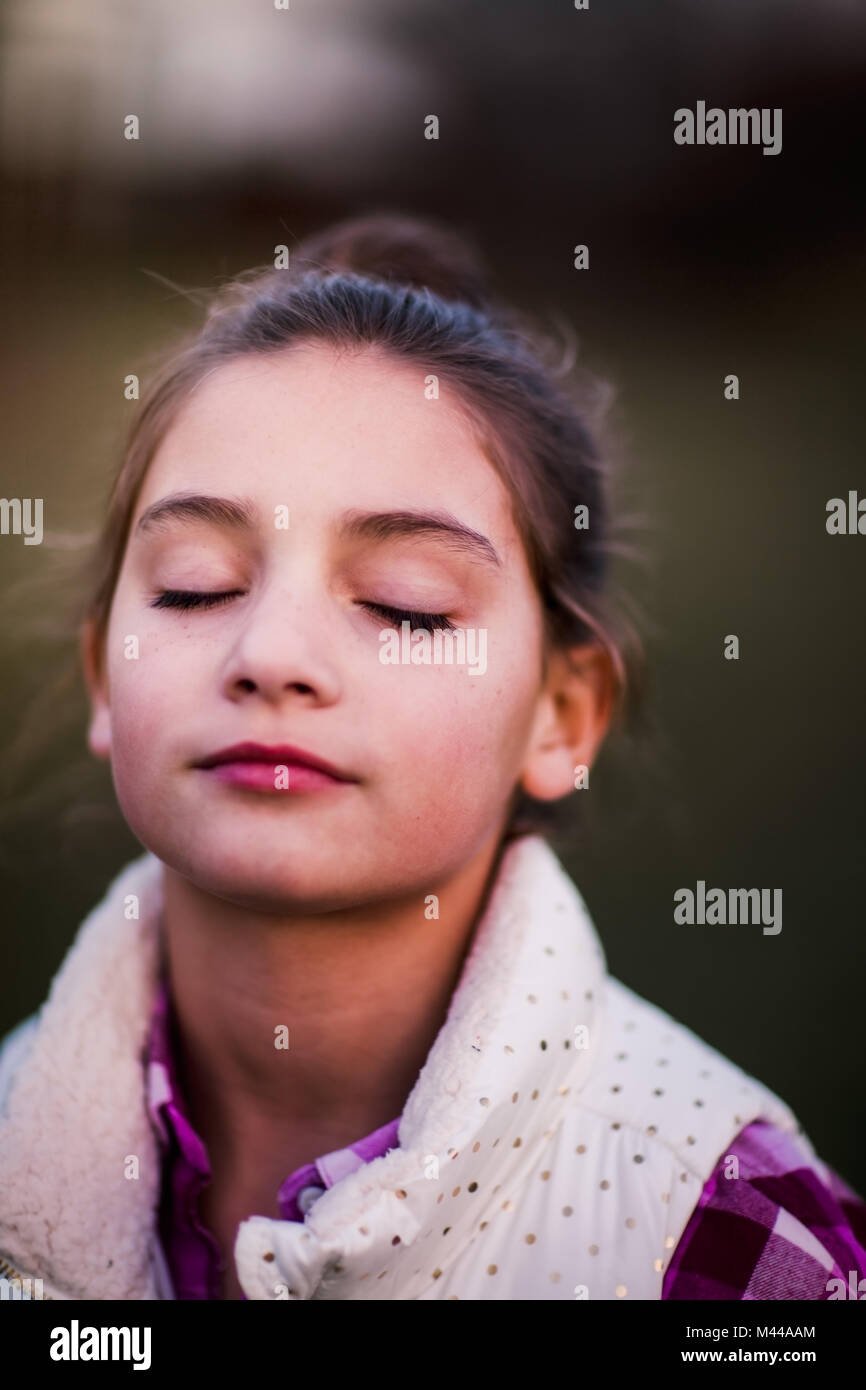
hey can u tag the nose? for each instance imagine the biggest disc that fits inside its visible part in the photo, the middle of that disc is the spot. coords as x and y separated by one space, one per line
285 648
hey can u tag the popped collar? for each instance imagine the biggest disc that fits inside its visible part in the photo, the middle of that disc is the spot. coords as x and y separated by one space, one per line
554 1145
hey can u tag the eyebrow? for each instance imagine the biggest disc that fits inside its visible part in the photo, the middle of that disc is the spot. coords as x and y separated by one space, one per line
241 513
194 506
442 526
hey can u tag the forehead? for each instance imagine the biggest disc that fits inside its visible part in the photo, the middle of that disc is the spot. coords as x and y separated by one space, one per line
325 430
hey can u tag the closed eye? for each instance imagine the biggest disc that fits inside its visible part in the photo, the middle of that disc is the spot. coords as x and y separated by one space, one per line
399 615
189 598
185 599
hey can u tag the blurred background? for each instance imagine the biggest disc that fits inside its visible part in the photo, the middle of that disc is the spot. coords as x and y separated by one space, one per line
259 125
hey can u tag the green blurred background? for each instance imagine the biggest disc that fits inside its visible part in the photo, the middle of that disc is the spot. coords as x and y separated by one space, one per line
555 129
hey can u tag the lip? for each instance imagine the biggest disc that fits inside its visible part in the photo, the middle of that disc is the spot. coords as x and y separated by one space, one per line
256 765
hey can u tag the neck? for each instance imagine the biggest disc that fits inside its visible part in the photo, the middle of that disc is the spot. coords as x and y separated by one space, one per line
361 996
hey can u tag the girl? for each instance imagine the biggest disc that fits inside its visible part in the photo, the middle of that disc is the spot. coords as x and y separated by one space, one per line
345 1030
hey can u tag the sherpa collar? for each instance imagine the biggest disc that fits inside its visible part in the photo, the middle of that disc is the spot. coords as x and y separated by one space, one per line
76 1130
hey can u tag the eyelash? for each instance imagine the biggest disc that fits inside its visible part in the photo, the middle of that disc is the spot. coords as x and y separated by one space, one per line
186 599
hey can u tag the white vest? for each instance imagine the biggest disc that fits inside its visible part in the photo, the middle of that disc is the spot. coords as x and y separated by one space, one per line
554 1145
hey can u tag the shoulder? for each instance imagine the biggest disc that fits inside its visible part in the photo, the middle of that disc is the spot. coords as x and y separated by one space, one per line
772 1223
13 1049
654 1074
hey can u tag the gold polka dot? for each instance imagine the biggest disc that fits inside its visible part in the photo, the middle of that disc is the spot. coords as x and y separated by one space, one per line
491 1269
555 1277
509 1049
456 1192
401 1192
691 1139
652 1129
565 994
548 950
669 1241
630 1222
567 1211
473 1187
436 1273
658 1091
517 1143
545 1175
452 1298
638 1158
514 1097
563 1090
531 999
269 1256
482 1226
666 1196
476 1146
534 1095
699 1102
616 1088
543 1045
658 1266
684 1177
440 1198
508 1206
362 1231
485 1100
593 1249
447 1229
621 1290
604 1184
530 1239
581 1149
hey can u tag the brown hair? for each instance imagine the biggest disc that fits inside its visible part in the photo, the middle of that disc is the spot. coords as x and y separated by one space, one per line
419 290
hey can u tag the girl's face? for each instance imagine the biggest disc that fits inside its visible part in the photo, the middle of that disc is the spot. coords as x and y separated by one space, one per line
310 491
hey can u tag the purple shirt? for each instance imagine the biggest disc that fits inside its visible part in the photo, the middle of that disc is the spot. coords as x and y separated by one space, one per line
776 1232
191 1250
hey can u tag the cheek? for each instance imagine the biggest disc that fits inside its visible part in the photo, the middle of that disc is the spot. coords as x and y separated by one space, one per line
459 736
148 682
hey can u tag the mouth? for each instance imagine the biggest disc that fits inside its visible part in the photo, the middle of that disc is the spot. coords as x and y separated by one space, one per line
281 769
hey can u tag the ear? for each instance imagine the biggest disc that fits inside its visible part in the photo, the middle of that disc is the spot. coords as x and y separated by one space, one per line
99 730
573 716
